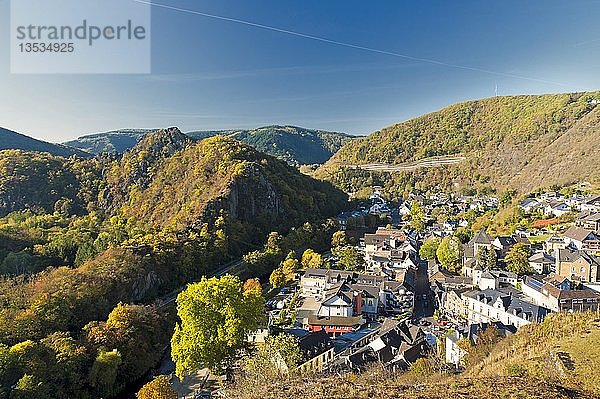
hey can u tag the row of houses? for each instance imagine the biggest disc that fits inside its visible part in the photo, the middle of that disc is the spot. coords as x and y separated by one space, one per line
396 344
492 301
486 295
490 296
508 309
554 204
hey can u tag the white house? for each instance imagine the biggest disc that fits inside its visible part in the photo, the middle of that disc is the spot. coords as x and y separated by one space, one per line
557 209
507 306
582 239
454 353
337 304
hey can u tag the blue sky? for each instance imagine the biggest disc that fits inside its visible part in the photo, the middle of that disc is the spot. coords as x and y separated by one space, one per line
214 74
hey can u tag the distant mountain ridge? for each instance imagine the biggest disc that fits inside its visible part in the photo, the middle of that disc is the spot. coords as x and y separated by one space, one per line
295 145
10 140
115 141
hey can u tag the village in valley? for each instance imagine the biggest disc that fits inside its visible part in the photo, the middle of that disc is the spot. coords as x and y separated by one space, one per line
427 275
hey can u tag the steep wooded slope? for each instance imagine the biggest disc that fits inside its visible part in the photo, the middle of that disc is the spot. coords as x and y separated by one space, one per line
43 182
218 174
295 145
518 142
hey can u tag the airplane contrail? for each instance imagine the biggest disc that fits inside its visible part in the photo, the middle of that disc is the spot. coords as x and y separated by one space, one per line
349 45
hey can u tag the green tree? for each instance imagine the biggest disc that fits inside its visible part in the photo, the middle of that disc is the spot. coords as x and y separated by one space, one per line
9 369
104 372
70 365
279 355
273 244
290 267
158 388
463 234
517 259
417 217
429 248
216 314
338 239
85 251
349 257
486 258
260 263
449 254
506 197
137 332
311 259
15 263
278 278
31 386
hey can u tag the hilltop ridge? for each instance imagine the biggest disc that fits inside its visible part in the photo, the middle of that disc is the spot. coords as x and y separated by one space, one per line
10 140
295 145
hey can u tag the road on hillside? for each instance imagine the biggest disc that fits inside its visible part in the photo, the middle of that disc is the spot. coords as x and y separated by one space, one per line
423 163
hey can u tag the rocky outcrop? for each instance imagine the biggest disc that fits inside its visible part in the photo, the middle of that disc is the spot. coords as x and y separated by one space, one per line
137 166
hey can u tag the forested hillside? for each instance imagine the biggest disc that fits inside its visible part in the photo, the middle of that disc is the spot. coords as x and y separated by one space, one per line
10 140
117 141
519 142
83 262
295 145
45 183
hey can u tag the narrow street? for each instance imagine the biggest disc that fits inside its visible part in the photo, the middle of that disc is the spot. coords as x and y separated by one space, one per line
424 308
